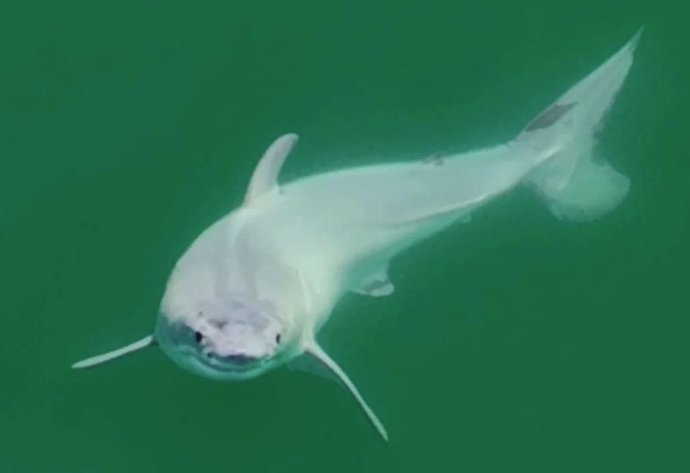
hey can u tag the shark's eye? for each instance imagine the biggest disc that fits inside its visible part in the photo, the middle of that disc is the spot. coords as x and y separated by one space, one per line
198 337
278 338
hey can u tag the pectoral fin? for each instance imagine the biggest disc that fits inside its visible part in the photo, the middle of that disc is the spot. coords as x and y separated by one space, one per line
111 355
317 352
309 364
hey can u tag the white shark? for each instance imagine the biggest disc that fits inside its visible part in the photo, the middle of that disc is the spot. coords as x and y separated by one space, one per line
254 289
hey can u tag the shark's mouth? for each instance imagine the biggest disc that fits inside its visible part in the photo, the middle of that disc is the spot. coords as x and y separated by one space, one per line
227 367
239 363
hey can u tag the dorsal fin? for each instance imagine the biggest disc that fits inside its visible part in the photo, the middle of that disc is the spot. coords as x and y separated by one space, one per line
265 175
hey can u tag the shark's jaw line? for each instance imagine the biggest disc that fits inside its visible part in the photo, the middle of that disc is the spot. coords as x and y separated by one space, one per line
210 368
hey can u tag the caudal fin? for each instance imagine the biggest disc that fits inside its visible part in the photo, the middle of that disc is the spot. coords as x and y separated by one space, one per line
576 183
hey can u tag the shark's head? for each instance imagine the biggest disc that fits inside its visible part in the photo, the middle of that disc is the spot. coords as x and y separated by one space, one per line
233 338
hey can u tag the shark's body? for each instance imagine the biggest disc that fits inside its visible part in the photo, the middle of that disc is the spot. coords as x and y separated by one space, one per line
254 289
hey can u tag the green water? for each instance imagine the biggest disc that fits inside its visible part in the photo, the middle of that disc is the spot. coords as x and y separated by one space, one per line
517 343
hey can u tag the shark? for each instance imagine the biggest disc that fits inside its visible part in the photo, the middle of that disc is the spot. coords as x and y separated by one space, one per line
252 292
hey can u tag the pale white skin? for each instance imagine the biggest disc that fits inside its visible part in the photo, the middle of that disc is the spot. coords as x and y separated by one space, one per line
253 290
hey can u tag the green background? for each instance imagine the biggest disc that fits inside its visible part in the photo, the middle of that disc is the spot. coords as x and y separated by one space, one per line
517 343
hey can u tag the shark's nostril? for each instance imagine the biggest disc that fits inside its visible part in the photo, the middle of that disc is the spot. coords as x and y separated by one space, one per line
218 323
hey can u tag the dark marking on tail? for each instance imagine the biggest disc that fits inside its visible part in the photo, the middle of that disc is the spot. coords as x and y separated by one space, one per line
549 117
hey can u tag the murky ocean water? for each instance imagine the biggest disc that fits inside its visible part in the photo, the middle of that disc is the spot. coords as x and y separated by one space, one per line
517 343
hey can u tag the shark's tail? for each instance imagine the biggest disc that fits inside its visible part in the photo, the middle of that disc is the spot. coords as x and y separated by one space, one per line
575 182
